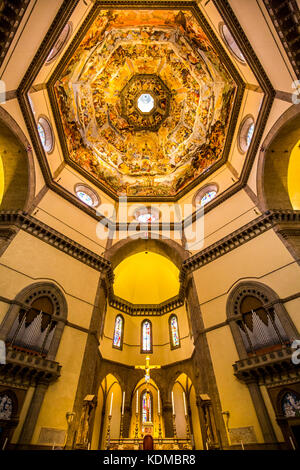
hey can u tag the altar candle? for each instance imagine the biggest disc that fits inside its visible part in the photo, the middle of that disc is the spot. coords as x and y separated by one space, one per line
173 407
123 403
184 403
158 402
137 402
111 402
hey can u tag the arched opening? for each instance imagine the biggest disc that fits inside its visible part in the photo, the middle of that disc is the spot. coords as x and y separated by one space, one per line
14 171
146 278
278 171
184 408
108 413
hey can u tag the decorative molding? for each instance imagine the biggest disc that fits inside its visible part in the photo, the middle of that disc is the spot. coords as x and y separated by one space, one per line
26 370
228 16
268 368
247 232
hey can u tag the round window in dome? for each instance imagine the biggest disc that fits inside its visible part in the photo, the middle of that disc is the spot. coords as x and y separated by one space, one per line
206 194
46 134
145 103
147 215
230 43
87 195
61 41
246 133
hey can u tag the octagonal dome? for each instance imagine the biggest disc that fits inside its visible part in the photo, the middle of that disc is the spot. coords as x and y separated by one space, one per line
165 56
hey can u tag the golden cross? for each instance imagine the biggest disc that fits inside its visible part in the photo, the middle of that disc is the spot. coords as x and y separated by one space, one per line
147 369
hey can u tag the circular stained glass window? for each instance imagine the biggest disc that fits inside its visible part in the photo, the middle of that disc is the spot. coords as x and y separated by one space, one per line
147 215
206 194
246 133
87 195
207 197
145 103
231 44
45 132
61 41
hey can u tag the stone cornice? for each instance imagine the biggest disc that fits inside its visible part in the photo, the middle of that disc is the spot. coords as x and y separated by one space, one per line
237 238
228 17
269 220
54 238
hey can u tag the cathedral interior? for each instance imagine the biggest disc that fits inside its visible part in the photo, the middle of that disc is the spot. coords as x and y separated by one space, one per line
150 224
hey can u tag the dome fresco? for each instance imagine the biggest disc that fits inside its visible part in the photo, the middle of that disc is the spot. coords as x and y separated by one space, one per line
162 56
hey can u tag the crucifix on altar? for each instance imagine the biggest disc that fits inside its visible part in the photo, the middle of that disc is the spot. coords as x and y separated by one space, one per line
147 426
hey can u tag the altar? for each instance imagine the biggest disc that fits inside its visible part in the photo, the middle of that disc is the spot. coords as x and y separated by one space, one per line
158 444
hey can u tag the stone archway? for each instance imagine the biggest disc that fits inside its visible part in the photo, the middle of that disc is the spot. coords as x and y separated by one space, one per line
17 165
272 170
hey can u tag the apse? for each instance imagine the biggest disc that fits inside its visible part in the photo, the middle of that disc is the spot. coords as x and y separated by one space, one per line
146 278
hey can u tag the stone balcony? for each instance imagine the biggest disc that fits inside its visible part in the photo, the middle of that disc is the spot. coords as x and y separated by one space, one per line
268 368
23 369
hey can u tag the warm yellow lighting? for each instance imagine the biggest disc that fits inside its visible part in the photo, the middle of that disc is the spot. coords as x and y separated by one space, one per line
146 278
293 177
1 180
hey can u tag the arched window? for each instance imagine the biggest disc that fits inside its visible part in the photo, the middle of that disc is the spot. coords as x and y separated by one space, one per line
118 332
34 328
174 332
146 407
146 340
260 328
147 215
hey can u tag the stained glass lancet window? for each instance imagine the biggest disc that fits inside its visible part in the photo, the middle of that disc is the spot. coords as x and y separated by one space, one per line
175 342
118 333
146 336
146 407
291 405
6 407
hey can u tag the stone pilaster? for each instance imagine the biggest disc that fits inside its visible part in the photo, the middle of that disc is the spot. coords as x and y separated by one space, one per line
168 419
32 415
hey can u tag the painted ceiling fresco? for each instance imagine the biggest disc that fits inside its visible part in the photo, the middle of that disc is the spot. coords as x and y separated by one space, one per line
129 58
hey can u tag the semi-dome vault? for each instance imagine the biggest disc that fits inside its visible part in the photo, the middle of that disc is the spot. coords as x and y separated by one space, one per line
144 102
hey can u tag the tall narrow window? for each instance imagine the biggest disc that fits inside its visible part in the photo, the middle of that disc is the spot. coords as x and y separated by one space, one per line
118 333
174 332
146 337
146 407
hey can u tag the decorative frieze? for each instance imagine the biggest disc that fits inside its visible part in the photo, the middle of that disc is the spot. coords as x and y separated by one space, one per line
267 368
24 369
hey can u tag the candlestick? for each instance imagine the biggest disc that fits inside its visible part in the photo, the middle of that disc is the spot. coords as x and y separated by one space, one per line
158 402
111 402
108 433
136 433
123 403
173 407
184 403
137 402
